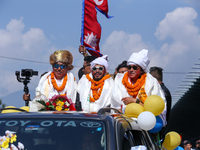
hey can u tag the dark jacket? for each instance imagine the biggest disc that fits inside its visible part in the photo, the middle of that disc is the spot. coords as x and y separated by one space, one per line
168 99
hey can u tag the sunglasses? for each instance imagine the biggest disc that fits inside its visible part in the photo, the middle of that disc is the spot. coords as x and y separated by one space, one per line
95 68
61 66
134 67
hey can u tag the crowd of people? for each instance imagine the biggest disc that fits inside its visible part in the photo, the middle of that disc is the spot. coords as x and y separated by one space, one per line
187 145
130 83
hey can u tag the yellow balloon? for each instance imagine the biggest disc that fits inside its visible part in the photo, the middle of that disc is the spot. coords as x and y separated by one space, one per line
171 141
25 108
133 110
177 135
10 110
154 104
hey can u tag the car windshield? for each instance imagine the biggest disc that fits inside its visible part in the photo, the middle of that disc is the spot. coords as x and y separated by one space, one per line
57 134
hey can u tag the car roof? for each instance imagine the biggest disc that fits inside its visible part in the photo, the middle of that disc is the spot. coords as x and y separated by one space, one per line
58 114
102 114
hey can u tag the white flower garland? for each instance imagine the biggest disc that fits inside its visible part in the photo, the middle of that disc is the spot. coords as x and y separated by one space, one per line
10 138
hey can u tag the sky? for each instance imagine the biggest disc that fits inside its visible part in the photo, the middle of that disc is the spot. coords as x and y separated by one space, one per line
32 30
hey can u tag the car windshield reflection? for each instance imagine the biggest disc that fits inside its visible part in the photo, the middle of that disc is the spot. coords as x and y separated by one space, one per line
57 134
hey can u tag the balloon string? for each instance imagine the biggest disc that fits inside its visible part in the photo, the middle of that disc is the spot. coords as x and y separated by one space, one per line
159 143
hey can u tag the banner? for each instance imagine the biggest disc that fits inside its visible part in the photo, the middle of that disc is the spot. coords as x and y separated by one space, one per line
91 29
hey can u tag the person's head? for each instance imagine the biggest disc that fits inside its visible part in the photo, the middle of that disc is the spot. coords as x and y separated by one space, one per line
137 64
122 67
86 64
198 143
157 73
99 67
187 145
61 62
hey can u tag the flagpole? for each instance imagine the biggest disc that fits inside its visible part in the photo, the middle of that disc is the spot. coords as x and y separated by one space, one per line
82 22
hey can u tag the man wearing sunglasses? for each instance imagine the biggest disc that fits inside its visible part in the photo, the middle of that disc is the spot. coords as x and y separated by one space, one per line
135 85
59 81
95 88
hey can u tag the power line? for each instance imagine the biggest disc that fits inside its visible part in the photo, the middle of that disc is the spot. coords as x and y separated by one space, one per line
74 66
24 60
28 60
175 72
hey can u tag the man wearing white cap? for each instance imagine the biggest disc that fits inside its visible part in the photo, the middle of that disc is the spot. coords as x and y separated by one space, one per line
95 88
135 85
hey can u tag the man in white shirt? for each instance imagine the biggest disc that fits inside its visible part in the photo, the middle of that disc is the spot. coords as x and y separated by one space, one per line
135 85
95 88
59 81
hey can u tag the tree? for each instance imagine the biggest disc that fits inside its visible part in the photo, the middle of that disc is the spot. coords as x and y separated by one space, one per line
1 104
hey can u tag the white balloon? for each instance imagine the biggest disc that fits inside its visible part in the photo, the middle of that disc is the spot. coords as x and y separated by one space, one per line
146 120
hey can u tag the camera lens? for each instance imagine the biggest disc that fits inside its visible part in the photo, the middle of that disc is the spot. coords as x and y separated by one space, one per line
28 73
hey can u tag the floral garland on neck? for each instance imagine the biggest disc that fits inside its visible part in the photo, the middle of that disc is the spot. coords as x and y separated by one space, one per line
55 86
133 89
96 87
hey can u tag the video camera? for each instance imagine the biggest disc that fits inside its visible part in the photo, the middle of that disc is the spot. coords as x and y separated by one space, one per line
27 73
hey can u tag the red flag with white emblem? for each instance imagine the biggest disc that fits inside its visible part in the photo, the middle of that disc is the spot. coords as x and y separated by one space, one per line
91 29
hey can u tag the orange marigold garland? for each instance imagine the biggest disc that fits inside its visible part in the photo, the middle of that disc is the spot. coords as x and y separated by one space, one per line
55 86
133 89
96 87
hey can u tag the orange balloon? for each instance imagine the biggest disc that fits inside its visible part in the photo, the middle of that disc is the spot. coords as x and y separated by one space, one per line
133 110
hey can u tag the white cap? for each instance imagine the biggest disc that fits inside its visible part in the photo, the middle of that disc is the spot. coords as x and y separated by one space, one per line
100 61
140 59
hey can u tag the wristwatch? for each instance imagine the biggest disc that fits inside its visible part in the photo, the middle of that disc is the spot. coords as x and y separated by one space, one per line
137 101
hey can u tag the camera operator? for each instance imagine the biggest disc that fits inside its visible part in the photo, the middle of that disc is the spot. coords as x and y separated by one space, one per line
59 81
